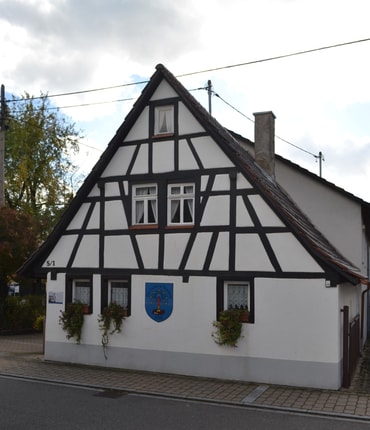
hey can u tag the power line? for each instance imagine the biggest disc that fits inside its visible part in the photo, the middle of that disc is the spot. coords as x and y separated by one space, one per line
278 137
338 45
79 92
278 57
91 104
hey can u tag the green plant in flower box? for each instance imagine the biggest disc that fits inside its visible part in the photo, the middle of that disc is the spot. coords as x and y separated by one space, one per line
228 328
113 314
72 320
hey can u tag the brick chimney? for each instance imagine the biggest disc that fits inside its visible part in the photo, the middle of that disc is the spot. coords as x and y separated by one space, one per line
264 141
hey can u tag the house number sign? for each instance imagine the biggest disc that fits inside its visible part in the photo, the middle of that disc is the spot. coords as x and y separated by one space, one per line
158 300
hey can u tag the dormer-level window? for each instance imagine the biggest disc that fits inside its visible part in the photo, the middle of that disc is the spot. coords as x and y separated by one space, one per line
145 204
181 204
163 120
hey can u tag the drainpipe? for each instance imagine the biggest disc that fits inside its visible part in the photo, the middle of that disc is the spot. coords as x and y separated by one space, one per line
363 309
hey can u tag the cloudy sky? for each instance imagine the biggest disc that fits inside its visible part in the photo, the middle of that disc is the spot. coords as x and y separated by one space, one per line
321 99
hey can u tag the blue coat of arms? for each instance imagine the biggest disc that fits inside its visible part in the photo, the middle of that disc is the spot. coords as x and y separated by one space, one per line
158 300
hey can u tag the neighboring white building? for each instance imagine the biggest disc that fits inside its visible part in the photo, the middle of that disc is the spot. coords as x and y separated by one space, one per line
176 216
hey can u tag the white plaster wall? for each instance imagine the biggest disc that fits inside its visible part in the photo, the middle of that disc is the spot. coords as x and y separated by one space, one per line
164 91
141 162
120 161
210 153
187 122
95 218
265 214
79 218
186 157
189 327
115 217
90 330
118 252
295 319
350 295
250 254
294 340
217 211
61 253
163 157
140 129
88 252
291 255
336 216
148 246
112 189
53 331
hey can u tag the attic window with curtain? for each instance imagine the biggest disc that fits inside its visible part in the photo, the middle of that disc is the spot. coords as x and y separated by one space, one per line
163 120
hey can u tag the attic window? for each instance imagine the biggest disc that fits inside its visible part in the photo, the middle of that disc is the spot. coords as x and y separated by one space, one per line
163 120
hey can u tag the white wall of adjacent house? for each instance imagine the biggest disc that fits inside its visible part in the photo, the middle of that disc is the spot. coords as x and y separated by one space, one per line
335 215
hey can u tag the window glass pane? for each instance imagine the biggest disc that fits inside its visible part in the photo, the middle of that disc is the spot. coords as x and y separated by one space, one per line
139 210
237 296
82 292
188 210
152 190
175 211
152 211
175 190
164 119
188 189
119 295
141 191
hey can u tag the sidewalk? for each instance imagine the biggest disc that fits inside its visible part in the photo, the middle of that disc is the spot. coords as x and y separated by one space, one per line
21 356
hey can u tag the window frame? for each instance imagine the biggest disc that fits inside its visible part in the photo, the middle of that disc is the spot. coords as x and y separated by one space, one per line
158 110
145 198
222 301
106 291
227 284
182 197
71 290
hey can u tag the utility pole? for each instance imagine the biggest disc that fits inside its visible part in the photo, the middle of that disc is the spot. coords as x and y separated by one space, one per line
209 89
321 159
2 146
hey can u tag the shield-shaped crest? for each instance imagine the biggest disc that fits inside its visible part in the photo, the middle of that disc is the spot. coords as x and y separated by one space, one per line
158 300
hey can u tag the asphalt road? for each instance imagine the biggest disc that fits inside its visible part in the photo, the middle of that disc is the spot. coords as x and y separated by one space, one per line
36 406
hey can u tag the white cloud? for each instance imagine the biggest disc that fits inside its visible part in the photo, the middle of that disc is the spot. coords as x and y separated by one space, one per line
320 99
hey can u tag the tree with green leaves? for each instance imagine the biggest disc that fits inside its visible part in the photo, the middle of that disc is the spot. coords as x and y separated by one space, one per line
39 144
18 239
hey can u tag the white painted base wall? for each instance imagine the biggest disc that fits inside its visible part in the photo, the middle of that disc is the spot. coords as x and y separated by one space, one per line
294 340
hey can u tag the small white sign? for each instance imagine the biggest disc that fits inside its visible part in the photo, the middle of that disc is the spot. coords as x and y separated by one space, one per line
56 297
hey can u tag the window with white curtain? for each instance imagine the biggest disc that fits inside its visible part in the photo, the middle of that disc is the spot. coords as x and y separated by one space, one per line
236 295
82 291
163 119
181 204
145 204
118 293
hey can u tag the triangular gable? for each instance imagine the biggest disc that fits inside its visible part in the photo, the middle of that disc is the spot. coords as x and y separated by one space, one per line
164 84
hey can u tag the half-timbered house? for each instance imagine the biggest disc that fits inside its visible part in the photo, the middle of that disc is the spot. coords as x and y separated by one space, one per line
177 222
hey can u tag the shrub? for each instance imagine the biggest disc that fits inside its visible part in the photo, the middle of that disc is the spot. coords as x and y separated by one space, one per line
21 312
